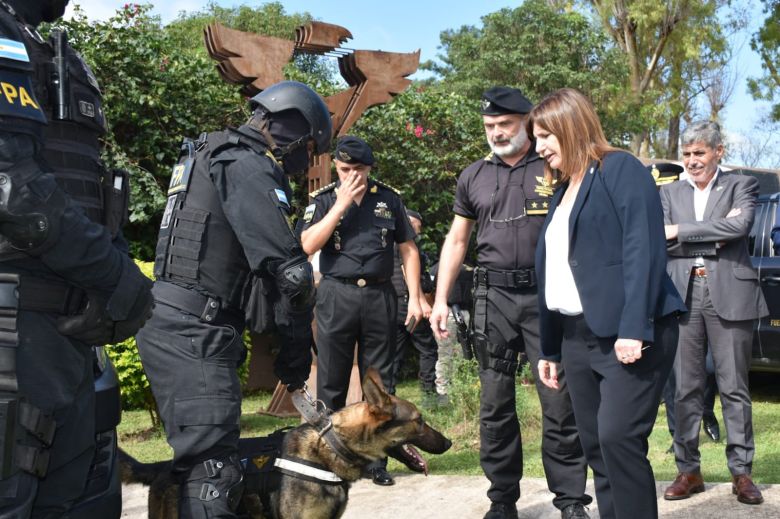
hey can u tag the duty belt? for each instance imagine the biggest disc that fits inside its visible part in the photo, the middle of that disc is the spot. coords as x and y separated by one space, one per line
361 282
521 278
41 295
207 308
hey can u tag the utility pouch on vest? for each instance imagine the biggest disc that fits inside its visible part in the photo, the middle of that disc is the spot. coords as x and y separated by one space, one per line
116 198
258 306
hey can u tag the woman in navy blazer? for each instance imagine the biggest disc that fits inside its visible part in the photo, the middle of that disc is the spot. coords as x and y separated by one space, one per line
608 310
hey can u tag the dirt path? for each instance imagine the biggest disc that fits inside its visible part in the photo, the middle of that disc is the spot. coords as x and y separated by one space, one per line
463 497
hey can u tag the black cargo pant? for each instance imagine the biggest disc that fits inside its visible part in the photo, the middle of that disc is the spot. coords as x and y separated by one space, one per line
347 315
423 340
512 323
192 368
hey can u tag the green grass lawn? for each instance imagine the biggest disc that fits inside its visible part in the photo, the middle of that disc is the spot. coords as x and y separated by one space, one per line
138 438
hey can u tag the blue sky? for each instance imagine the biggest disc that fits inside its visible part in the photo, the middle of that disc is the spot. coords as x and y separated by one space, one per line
406 25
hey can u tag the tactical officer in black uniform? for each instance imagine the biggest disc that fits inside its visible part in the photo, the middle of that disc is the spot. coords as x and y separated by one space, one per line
356 221
506 195
66 281
422 336
226 233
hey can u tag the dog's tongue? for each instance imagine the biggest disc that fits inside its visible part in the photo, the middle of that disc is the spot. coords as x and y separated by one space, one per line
411 451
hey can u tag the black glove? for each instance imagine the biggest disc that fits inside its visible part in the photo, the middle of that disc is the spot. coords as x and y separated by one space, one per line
293 365
95 327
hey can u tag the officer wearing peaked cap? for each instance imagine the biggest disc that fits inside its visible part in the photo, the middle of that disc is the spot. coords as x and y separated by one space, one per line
665 172
505 195
355 223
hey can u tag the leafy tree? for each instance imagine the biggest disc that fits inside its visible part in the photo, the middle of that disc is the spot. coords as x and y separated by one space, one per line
767 43
422 140
539 47
648 32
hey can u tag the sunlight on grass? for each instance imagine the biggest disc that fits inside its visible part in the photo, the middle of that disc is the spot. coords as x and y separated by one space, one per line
138 438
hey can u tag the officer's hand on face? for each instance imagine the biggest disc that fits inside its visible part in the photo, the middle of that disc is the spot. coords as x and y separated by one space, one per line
95 327
350 189
438 320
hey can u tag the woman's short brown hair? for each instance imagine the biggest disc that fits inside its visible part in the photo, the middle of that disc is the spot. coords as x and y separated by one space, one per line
570 116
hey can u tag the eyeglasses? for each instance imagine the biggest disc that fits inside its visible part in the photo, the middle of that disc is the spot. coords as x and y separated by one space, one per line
493 203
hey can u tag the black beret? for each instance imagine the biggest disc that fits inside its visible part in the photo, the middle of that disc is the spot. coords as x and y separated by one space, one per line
353 150
502 100
414 214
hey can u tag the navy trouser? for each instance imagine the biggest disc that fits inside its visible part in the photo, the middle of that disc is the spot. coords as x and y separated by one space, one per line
347 315
616 405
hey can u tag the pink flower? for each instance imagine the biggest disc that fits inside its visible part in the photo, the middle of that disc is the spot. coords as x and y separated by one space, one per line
418 131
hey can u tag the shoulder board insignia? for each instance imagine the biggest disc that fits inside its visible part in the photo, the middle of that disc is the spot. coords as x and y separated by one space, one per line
387 186
324 189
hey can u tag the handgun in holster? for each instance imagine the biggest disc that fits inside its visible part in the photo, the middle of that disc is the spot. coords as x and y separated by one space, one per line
463 333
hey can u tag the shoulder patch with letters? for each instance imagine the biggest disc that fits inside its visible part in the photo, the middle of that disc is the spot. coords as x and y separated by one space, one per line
17 97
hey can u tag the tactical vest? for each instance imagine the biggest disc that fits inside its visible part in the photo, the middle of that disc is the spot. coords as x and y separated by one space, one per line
75 124
196 246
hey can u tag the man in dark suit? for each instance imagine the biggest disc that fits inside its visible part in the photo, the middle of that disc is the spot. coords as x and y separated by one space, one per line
708 217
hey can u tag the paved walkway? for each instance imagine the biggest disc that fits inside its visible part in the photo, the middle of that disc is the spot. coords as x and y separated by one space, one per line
463 497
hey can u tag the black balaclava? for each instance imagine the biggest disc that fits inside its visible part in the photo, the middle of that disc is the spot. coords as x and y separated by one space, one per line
34 12
287 127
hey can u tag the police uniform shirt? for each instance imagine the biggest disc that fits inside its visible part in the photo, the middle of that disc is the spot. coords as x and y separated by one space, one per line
256 199
509 205
363 241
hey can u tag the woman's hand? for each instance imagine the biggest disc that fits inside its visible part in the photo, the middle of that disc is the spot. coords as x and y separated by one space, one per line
548 373
628 351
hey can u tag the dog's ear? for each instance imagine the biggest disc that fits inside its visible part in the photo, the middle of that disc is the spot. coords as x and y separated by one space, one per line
373 389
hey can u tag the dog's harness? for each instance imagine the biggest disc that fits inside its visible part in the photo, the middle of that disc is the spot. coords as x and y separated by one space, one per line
317 415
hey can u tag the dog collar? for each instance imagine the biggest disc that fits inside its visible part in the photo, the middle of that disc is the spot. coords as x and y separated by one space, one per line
316 414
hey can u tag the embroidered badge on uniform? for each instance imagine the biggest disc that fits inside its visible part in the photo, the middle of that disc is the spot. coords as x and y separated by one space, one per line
381 210
544 187
308 214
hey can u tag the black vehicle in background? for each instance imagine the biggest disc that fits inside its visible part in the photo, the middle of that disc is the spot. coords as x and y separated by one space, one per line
766 340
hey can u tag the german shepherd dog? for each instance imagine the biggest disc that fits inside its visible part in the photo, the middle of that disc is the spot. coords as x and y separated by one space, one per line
381 425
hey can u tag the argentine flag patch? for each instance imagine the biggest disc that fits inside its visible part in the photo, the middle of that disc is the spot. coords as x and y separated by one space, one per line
282 196
12 49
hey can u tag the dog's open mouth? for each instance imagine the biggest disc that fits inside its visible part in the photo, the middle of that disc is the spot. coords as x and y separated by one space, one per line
410 457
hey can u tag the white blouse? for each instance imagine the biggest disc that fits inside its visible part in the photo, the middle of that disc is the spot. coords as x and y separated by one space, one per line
560 292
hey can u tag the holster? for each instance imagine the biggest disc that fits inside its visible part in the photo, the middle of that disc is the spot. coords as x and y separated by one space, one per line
494 356
259 304
116 199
